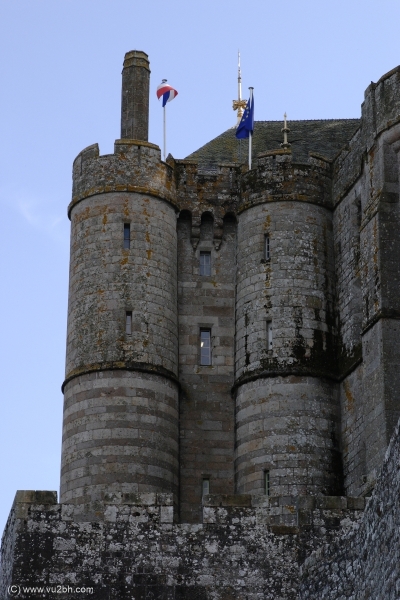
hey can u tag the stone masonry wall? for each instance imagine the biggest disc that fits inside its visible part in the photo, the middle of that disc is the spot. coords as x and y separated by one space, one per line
294 287
288 426
364 562
128 547
206 405
106 280
120 433
367 248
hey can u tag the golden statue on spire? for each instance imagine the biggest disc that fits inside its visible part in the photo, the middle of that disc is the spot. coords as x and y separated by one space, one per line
239 104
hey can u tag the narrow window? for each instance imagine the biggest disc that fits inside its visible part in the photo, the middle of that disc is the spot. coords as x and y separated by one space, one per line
269 335
266 248
127 236
206 486
205 263
266 483
205 346
128 322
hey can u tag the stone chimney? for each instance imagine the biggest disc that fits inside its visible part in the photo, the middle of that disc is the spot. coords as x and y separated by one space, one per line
135 96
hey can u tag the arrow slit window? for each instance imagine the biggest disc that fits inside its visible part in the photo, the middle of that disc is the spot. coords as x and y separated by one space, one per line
267 254
127 236
269 335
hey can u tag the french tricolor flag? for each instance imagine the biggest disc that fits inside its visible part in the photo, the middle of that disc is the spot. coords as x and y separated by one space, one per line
167 92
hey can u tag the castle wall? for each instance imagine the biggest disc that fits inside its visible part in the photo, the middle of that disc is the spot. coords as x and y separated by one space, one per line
206 405
366 225
349 310
364 561
287 410
129 547
353 442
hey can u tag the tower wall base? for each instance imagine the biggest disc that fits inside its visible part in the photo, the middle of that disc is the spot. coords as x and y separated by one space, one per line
120 435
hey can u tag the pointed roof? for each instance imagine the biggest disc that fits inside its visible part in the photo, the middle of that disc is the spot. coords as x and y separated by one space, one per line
325 137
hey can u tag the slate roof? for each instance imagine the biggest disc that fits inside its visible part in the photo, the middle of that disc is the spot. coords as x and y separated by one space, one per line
324 137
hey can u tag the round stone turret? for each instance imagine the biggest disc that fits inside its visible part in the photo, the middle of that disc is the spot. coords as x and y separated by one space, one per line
120 430
286 408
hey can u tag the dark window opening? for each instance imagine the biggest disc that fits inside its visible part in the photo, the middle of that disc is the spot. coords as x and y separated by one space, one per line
267 248
127 236
128 322
266 483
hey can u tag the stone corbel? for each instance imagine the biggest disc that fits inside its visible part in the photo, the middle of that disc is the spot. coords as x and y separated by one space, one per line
195 232
218 231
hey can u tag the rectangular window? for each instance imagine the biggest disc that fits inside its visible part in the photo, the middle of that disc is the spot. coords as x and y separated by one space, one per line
266 483
205 346
269 335
205 263
206 486
127 236
267 254
128 322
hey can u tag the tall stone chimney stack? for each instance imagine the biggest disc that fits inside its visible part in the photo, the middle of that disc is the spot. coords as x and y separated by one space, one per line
135 96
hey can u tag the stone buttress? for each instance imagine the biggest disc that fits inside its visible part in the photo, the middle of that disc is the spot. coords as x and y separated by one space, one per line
367 248
287 411
120 430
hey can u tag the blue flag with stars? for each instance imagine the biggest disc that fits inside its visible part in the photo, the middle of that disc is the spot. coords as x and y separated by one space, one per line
246 124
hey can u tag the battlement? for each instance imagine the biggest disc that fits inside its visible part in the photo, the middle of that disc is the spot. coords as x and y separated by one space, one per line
276 178
135 166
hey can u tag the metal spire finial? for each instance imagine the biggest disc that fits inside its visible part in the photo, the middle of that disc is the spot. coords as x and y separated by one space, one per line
285 131
239 104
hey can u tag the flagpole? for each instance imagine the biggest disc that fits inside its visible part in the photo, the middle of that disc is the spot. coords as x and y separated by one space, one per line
165 132
250 136
250 132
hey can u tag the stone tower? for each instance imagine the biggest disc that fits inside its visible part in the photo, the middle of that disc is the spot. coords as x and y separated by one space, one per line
120 431
264 415
232 368
287 409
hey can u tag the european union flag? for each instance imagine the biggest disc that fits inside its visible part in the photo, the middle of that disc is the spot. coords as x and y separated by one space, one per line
246 124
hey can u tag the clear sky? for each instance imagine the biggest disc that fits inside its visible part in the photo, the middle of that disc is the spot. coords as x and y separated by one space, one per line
60 73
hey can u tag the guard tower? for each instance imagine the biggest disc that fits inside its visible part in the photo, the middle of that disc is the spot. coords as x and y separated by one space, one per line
120 430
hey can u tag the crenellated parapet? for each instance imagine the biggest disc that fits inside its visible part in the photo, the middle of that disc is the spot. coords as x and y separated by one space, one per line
276 178
199 188
135 166
207 191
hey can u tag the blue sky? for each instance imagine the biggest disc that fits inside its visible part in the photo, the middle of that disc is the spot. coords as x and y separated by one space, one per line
60 74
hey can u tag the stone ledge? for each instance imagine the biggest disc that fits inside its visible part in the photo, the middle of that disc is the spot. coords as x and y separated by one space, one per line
35 497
